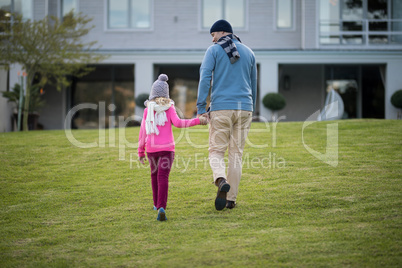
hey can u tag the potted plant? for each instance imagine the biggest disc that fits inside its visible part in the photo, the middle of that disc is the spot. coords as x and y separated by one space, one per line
274 102
139 102
396 100
140 99
35 103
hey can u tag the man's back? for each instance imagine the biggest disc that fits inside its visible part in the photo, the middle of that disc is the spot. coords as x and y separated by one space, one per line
234 85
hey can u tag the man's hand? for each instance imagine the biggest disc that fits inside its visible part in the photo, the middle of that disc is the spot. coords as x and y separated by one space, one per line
199 115
203 119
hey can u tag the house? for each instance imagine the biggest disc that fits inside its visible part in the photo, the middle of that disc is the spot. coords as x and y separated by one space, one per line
303 48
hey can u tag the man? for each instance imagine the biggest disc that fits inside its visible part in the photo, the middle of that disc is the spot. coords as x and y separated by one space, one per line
228 67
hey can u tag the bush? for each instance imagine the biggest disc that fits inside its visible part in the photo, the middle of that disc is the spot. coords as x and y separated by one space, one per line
140 99
35 101
396 99
274 101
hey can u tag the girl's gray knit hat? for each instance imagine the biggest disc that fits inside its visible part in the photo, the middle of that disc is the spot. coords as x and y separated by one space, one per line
160 88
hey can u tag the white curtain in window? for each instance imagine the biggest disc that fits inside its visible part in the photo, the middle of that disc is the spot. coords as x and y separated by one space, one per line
140 13
5 5
234 12
396 8
231 10
212 10
118 14
284 14
68 5
24 7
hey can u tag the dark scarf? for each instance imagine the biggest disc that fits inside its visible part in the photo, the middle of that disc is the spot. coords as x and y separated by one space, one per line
230 48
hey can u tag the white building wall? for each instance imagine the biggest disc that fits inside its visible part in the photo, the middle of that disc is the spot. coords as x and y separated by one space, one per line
143 79
177 25
53 114
309 24
5 107
393 84
39 9
306 93
268 82
53 7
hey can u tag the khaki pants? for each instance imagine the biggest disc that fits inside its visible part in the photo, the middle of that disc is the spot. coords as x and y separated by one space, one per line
228 129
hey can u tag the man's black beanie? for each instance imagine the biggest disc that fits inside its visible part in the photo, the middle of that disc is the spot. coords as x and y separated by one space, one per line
221 26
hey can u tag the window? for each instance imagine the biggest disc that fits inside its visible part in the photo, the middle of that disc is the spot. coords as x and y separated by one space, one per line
360 22
361 87
67 6
22 7
233 11
284 14
129 14
112 85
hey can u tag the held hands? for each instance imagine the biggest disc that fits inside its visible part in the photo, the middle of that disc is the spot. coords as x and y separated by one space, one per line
203 119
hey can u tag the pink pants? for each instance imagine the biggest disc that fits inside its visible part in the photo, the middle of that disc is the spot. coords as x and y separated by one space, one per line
160 163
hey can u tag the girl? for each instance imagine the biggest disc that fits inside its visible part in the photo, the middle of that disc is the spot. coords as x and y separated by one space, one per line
156 138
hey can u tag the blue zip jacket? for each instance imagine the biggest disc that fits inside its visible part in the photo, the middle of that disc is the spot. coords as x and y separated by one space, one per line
234 85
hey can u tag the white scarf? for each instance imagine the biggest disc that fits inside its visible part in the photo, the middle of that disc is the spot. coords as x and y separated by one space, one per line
156 119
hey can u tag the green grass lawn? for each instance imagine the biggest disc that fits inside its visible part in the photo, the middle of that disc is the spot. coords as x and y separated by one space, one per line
65 206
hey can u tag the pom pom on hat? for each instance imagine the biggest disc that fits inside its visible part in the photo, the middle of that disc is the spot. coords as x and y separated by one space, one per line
221 26
160 88
163 77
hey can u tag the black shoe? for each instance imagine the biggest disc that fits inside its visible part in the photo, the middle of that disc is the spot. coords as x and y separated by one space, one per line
223 189
230 204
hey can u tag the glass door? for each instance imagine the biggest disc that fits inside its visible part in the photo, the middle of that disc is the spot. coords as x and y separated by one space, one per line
361 87
108 85
377 15
373 93
345 81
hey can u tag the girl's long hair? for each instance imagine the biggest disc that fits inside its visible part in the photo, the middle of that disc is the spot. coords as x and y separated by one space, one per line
162 101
